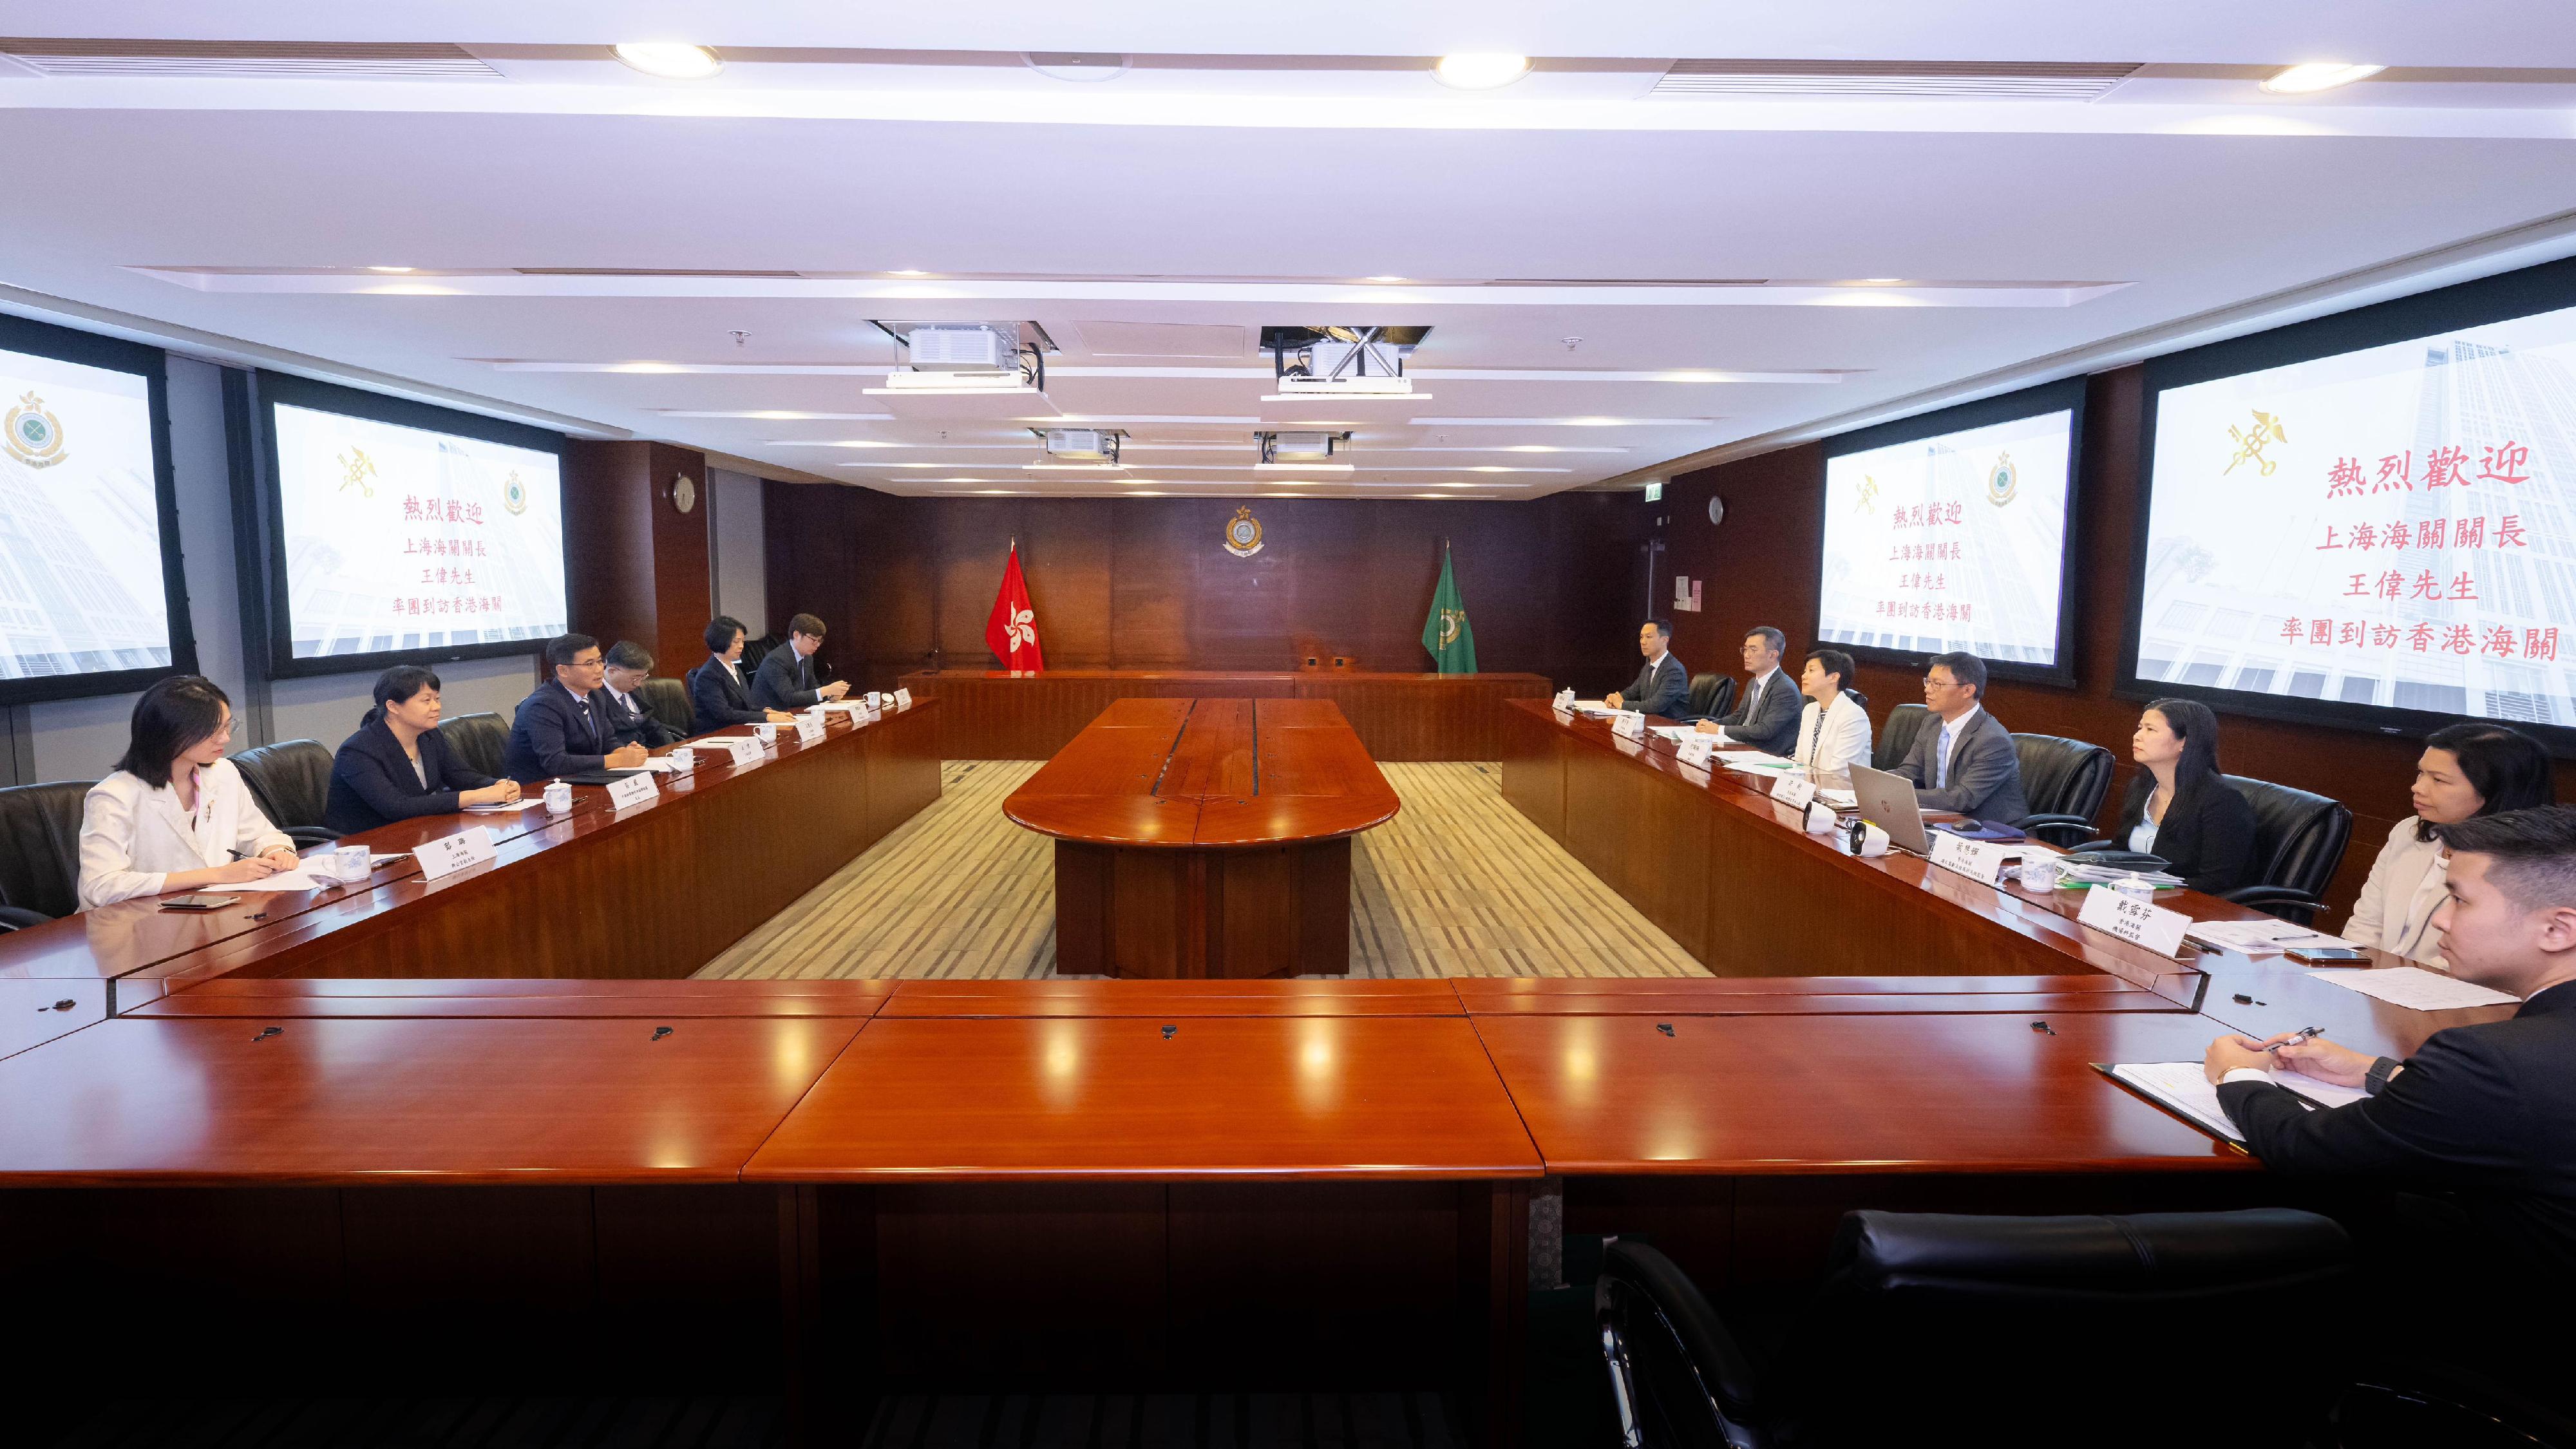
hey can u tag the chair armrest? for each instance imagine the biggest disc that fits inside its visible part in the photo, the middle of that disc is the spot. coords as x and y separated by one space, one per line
2040 825
18 918
307 835
2283 901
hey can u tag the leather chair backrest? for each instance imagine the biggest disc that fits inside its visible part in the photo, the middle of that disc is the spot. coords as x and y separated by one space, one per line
2060 776
2299 837
1710 694
1930 1318
40 846
667 700
1896 737
291 780
480 741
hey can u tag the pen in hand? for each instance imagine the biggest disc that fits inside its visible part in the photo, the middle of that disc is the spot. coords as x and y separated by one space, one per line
2295 1038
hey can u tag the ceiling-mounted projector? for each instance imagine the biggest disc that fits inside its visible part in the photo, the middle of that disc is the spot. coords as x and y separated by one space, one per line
953 358
982 347
1080 445
1341 362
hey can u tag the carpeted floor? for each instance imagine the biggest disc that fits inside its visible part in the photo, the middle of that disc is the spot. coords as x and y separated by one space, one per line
1458 884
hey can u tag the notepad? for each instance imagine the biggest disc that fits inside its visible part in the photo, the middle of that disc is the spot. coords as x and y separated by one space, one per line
2254 938
2185 1089
2413 986
285 880
1752 760
498 807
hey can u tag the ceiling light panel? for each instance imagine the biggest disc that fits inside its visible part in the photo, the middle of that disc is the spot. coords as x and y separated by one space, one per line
1902 80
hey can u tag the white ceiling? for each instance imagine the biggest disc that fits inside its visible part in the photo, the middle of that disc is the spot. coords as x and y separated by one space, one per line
238 217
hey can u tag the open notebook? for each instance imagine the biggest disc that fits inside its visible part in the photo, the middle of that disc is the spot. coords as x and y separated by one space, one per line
2184 1089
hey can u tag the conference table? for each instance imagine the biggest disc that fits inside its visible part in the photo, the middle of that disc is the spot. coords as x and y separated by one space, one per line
295 1136
1206 837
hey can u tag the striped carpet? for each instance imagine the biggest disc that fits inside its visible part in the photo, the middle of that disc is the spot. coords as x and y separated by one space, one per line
1458 884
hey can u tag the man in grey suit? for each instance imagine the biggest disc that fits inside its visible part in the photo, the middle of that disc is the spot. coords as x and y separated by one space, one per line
1968 764
1767 716
1662 687
786 677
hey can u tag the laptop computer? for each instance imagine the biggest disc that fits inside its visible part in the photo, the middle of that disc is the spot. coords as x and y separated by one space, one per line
1887 801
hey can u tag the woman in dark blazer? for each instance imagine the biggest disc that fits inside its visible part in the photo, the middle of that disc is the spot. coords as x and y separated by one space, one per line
2178 806
397 765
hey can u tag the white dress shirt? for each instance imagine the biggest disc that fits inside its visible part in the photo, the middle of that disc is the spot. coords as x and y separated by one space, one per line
133 837
1832 740
1951 729
2406 885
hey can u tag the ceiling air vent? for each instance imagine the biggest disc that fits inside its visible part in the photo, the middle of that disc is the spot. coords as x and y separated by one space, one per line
1912 80
248 60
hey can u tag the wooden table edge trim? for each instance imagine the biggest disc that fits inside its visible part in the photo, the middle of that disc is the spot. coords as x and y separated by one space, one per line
1391 1172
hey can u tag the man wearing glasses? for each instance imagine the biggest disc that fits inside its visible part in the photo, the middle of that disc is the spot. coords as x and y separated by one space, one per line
564 728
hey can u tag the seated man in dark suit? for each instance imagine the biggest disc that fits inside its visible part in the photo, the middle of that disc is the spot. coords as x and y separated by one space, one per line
1767 718
627 667
2475 1132
786 678
1964 759
1663 686
719 697
563 728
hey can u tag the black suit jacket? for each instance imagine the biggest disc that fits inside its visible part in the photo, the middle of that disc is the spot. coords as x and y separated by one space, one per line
717 700
372 782
557 735
1662 689
784 681
2207 835
2485 1115
1767 719
1985 771
636 726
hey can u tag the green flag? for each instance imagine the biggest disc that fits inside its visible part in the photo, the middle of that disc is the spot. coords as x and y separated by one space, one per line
1445 633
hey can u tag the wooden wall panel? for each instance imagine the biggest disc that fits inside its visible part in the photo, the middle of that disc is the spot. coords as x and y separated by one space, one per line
1551 586
1761 567
639 566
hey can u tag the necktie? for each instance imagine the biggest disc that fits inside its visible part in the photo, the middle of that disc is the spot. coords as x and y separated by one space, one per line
1941 767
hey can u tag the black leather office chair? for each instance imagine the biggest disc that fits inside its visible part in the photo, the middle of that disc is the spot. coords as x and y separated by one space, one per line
40 852
291 780
1896 737
667 700
2299 840
1710 695
480 741
2064 780
1998 1330
755 650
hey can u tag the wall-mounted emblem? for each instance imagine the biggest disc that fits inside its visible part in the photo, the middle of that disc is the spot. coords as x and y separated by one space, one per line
35 436
1243 533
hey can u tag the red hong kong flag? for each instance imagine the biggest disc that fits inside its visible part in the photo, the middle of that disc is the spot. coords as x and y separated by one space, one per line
1013 630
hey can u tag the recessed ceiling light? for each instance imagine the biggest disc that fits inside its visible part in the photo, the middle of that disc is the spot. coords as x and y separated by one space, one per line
669 59
389 269
1382 279
906 272
1077 65
1475 72
2321 75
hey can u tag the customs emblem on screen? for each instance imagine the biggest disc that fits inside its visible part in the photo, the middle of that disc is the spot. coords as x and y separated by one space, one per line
2003 482
1243 533
35 436
514 494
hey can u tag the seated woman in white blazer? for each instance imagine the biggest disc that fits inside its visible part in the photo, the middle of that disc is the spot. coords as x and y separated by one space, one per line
1833 729
2466 769
176 815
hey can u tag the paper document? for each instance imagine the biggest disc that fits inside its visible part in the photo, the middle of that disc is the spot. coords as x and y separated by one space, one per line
1839 799
1755 760
511 808
659 765
1591 706
2258 937
2185 1088
287 880
2415 987
1672 732
2078 872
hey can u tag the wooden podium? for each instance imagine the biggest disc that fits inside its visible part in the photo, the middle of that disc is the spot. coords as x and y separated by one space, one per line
1206 837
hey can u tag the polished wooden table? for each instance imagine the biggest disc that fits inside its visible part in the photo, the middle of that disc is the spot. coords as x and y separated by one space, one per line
1206 837
1031 714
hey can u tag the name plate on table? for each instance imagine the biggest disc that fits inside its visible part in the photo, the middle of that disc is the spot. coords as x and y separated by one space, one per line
2140 923
1979 860
1794 792
635 789
449 854
1697 749
1628 725
743 749
1563 699
903 699
808 729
